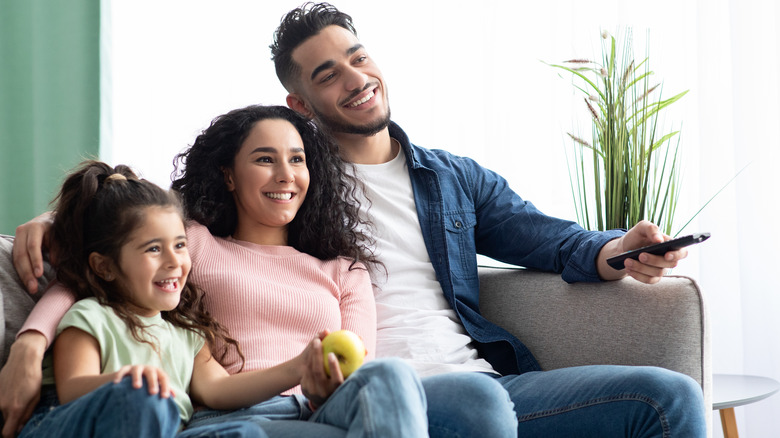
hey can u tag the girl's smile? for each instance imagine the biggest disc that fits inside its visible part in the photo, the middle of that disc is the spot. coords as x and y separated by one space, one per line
154 262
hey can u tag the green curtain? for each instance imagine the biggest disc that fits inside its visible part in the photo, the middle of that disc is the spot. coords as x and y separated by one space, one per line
49 99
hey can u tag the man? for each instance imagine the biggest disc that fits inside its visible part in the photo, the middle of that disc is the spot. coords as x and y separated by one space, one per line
433 213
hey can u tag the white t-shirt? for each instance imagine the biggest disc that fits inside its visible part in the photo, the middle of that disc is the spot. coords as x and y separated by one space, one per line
414 319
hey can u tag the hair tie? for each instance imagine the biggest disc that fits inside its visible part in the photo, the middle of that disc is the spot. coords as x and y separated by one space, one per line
116 177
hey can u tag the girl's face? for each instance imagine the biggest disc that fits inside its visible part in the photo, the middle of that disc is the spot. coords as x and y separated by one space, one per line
269 180
154 262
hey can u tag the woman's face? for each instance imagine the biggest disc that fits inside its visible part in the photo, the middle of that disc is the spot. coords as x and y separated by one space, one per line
269 180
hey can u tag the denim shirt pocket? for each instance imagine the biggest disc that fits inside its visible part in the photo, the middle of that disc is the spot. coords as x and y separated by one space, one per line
461 244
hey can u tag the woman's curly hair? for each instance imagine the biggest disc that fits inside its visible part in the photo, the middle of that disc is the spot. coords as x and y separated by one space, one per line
328 224
96 211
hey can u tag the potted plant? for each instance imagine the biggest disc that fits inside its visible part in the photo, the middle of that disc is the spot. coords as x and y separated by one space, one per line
630 169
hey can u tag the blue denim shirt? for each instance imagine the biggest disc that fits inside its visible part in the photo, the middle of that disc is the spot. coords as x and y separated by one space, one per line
465 210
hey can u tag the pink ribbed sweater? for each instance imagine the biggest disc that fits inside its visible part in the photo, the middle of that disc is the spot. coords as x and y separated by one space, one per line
272 299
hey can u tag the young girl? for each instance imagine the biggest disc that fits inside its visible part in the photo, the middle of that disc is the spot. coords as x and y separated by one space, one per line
264 187
123 250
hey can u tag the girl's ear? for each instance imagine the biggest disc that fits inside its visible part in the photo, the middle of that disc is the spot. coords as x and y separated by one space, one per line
297 104
102 266
228 174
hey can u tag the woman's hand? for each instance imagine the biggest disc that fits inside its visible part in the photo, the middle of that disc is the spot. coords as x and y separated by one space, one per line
20 381
156 379
30 240
315 384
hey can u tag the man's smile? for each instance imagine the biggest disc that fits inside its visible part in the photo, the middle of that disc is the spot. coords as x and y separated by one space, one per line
365 99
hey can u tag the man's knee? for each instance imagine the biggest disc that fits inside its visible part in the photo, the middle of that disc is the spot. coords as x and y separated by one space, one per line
480 390
679 398
488 392
660 380
469 404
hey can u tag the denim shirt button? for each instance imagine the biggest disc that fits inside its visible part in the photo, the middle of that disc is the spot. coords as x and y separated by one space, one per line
458 224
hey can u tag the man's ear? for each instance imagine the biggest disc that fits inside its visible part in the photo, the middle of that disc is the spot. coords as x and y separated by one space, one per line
297 104
102 266
228 175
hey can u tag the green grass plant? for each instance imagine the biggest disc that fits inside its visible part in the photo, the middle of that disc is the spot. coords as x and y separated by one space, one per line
630 170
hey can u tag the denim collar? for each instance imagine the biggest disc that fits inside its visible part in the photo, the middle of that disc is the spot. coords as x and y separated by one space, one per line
397 133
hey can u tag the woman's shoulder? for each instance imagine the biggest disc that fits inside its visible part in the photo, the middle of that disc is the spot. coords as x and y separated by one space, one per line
349 264
351 271
195 230
201 241
339 263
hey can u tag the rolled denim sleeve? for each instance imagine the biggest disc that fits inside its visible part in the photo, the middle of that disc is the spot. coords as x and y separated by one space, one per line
514 231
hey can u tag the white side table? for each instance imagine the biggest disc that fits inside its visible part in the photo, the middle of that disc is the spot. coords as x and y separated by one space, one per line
730 391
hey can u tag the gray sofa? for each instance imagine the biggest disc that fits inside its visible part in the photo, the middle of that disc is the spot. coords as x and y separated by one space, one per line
623 322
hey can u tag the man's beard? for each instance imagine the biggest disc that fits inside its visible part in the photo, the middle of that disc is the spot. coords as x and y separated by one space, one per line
337 127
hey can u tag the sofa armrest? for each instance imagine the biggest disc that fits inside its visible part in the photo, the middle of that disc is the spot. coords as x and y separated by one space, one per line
623 322
15 302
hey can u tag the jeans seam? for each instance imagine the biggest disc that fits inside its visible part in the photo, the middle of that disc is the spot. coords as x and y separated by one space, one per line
368 422
602 400
207 416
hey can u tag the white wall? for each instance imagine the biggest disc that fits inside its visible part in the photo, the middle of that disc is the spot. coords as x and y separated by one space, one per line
468 77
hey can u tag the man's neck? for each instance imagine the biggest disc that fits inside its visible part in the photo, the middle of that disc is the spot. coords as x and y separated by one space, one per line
375 149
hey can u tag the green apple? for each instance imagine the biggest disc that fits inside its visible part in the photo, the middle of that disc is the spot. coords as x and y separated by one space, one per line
348 348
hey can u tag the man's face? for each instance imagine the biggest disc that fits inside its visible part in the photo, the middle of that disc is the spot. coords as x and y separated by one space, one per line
340 85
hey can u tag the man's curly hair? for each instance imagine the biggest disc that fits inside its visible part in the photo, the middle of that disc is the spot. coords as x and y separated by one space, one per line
297 26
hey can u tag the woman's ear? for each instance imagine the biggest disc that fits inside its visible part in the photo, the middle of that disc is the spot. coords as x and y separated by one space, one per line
102 266
227 173
297 104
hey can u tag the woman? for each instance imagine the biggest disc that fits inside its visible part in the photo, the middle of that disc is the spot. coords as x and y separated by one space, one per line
274 246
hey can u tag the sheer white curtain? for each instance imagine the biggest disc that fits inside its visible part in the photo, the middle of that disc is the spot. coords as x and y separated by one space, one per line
468 77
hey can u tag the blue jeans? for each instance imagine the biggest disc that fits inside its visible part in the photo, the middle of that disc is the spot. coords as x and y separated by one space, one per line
229 429
607 401
468 405
383 398
119 410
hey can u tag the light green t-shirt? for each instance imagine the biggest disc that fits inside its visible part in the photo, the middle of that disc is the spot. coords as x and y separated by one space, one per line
118 347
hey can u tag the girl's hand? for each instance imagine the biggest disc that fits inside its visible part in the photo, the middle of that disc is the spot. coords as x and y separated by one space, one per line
315 384
156 379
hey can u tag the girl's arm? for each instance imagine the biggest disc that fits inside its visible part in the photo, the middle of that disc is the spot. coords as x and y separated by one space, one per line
77 368
214 387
